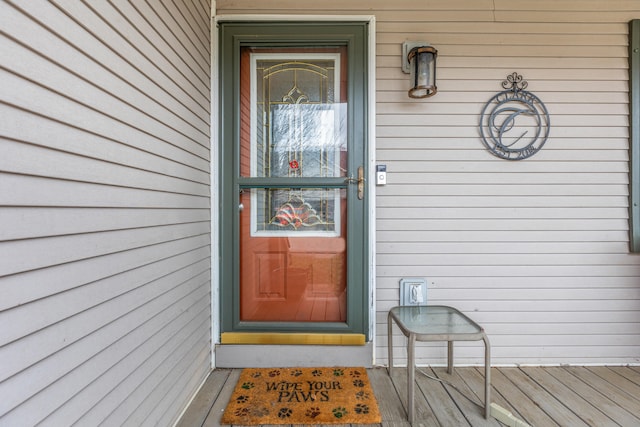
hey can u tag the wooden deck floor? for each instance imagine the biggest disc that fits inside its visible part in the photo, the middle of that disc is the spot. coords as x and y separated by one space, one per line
554 396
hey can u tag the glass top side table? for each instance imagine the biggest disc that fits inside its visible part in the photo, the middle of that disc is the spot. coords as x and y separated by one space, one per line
436 323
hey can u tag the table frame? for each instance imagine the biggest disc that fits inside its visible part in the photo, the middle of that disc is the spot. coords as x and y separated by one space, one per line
413 336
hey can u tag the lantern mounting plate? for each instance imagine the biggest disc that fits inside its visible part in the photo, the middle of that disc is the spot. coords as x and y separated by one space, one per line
406 48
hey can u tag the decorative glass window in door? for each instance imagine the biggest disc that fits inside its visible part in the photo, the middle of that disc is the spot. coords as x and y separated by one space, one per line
299 132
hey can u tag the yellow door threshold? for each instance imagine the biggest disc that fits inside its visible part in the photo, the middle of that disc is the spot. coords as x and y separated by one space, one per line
291 338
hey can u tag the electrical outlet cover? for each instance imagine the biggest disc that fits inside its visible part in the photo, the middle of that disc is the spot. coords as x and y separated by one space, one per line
413 291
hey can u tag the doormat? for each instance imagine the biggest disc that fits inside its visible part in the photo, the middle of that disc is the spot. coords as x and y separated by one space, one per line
302 396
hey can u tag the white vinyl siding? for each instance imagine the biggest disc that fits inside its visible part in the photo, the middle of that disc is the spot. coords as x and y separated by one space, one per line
105 257
537 251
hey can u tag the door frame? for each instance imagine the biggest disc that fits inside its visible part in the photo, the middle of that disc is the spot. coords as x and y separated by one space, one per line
217 177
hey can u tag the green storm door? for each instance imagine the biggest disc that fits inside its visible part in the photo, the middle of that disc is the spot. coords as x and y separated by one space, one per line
293 145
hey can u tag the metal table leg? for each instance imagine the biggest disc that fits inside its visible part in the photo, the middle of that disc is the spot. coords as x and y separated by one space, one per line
411 375
487 377
389 343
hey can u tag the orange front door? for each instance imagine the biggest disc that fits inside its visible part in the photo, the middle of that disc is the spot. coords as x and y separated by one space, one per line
293 205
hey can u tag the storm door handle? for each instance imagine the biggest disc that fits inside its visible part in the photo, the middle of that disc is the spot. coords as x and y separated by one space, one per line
359 181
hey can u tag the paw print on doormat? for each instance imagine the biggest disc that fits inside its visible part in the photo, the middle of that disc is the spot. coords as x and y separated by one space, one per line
339 412
316 372
248 385
256 374
313 412
296 373
358 383
338 372
241 412
355 374
284 413
361 409
242 399
274 373
362 395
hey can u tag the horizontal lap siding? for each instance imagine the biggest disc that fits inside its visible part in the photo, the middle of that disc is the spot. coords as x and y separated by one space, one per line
105 266
535 250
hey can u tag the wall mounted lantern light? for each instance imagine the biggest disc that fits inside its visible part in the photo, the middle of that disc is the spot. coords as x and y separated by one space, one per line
419 60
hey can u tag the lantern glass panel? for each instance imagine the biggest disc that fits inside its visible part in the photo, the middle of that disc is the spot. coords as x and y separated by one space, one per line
422 63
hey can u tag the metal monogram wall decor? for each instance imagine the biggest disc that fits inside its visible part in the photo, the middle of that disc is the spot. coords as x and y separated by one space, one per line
514 124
